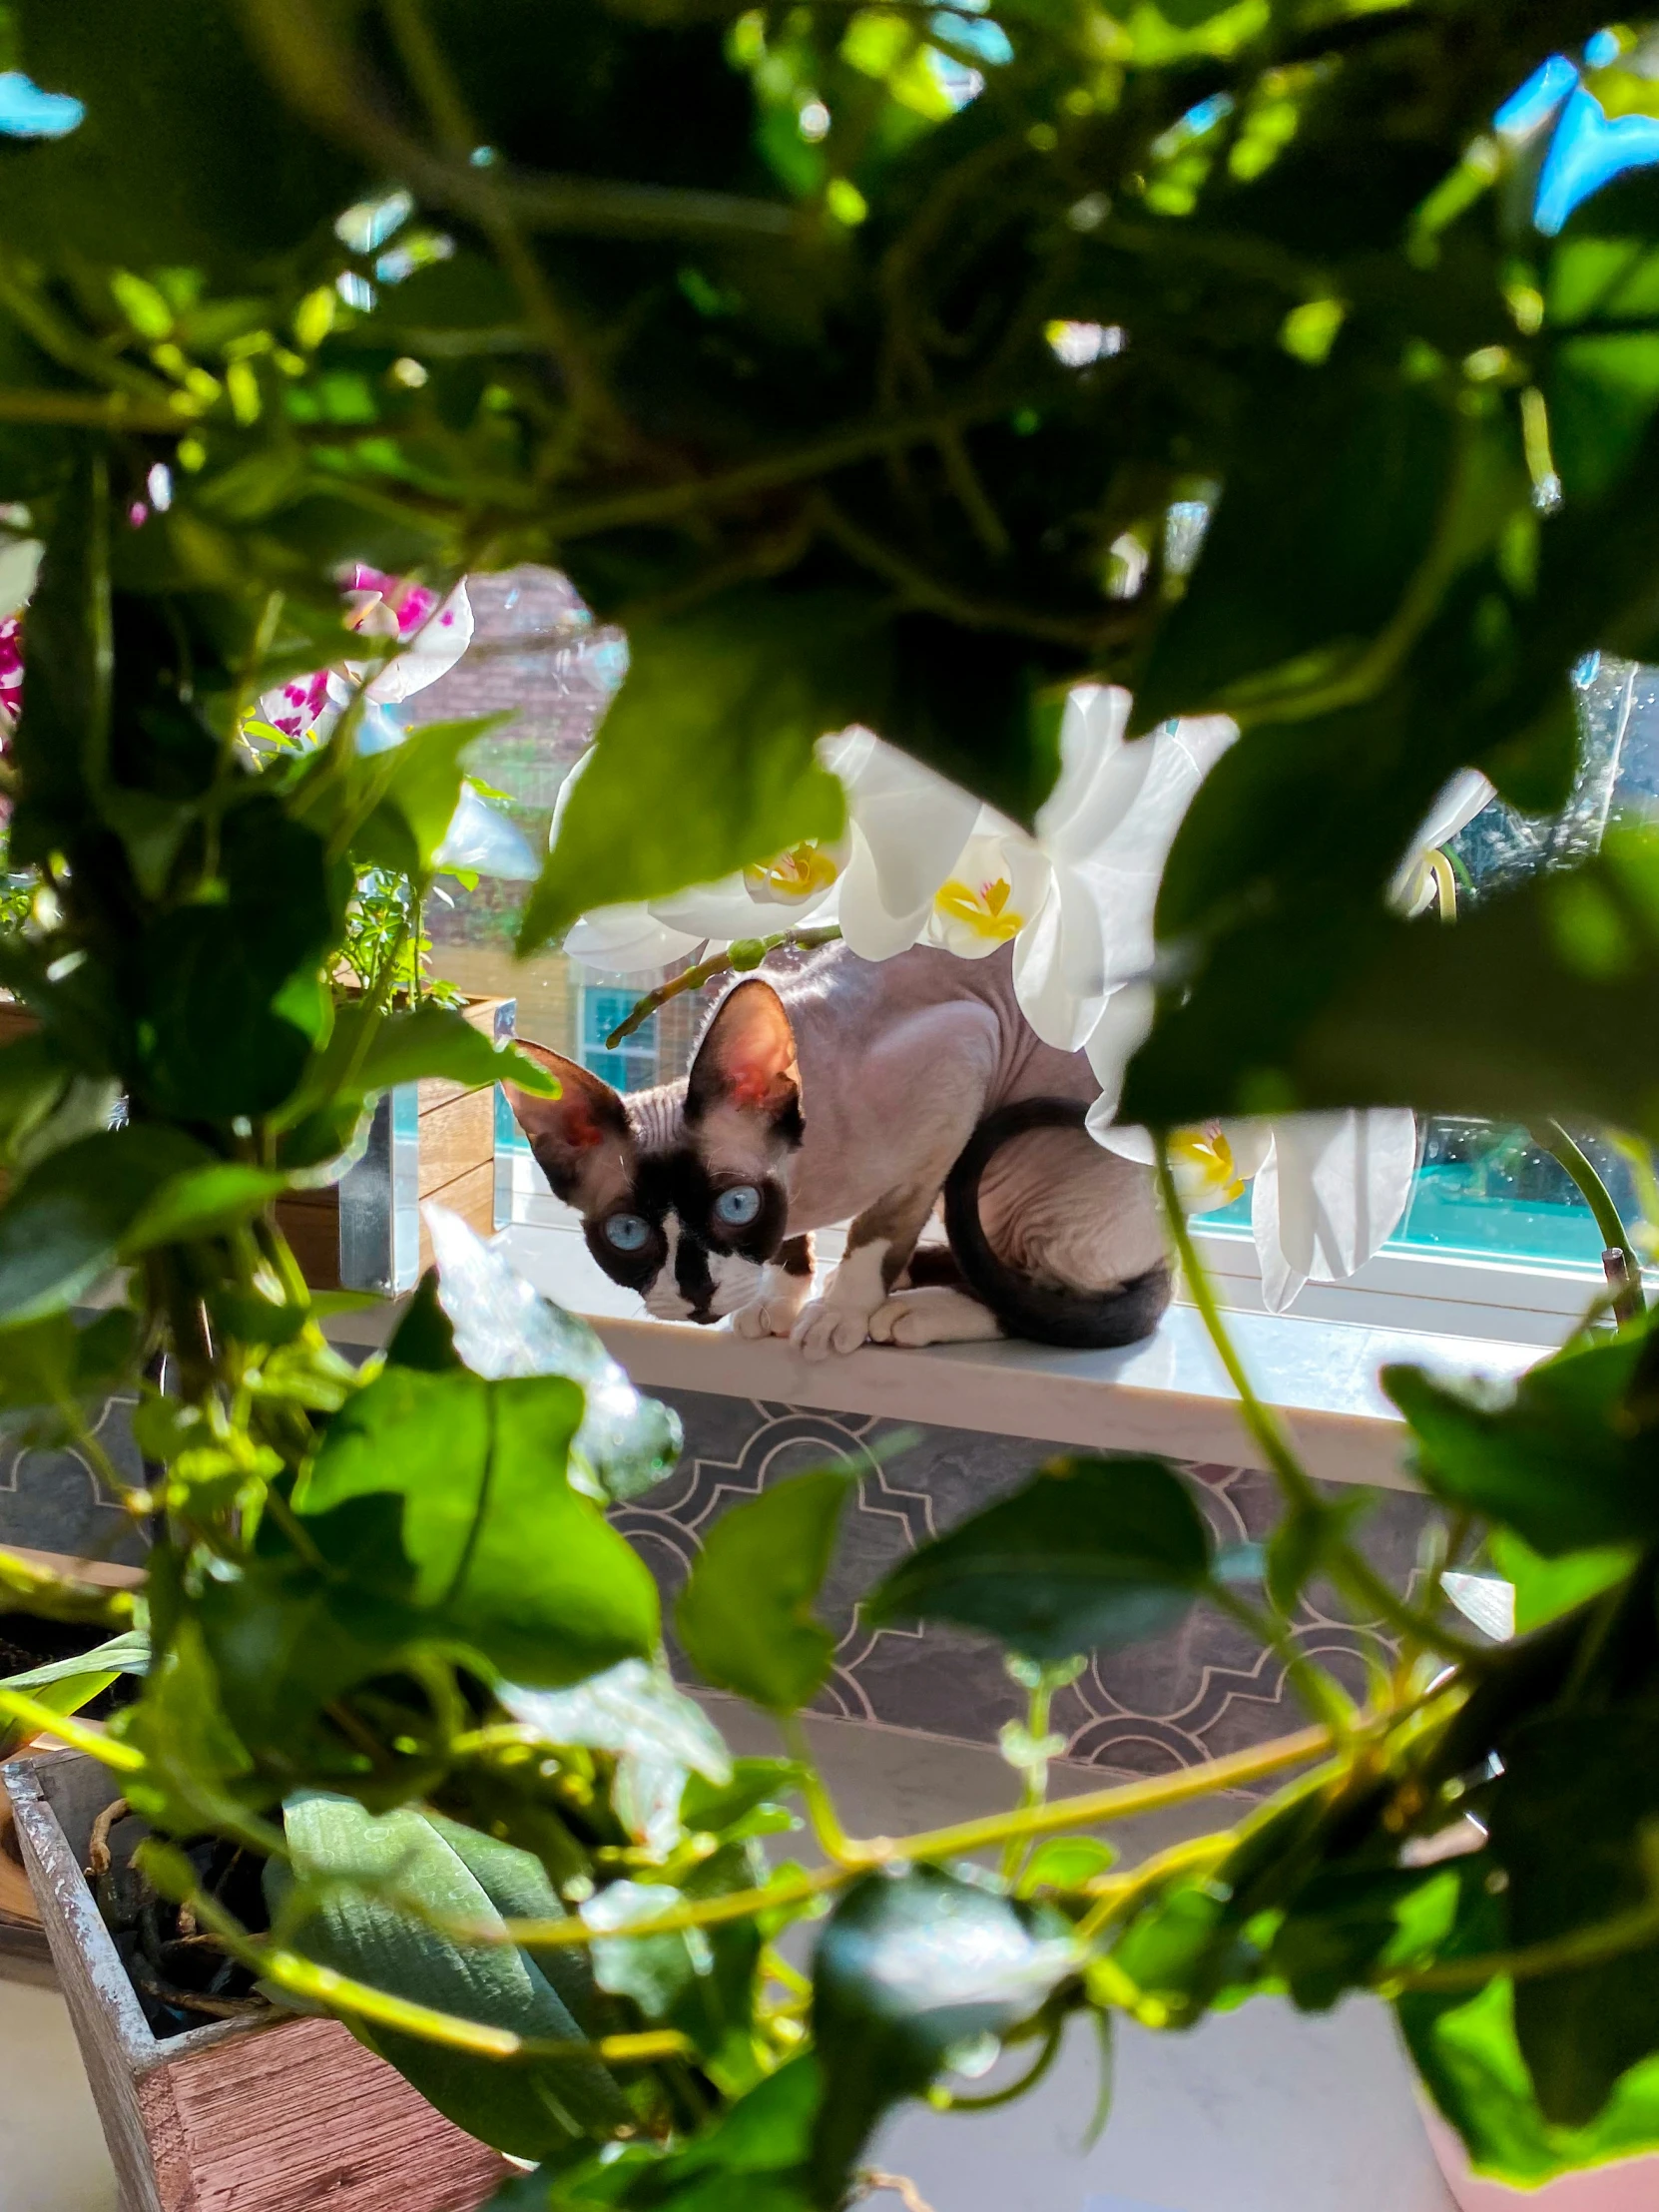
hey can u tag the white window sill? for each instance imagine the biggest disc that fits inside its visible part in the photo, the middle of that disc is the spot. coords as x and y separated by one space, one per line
1168 1395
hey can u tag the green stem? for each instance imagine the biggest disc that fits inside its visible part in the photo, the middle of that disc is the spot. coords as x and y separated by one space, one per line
1349 1567
1095 1808
1035 1785
1014 2090
1318 1692
1551 1137
1264 1426
821 1809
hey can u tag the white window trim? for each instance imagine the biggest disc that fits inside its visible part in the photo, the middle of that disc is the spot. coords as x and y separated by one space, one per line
1443 1292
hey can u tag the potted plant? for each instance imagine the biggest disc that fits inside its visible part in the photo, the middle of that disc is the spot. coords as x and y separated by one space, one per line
875 375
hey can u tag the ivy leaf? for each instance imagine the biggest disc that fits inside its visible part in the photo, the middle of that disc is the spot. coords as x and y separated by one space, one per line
1558 1456
753 2158
54 1362
182 78
1536 1004
1091 1556
502 1326
1546 1588
63 737
909 1967
1574 1823
121 1191
653 1732
505 1555
745 689
386 1887
418 785
1290 577
743 1616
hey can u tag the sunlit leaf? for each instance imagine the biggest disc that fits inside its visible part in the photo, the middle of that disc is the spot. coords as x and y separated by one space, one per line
744 1615
1091 1556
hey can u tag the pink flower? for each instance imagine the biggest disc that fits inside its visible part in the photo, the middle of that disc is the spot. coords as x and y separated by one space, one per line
11 668
386 606
429 637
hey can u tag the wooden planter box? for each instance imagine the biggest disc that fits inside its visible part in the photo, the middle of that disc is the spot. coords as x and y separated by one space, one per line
427 1140
250 2115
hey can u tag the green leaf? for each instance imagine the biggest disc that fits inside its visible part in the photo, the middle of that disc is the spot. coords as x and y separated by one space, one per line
430 1041
1560 1456
62 741
61 1229
197 1773
505 1555
416 787
389 1880
1537 1004
656 1735
744 1615
202 1204
500 1325
50 1368
233 988
1546 1588
655 1972
517 1885
752 2158
909 1967
1466 2053
1325 513
65 1685
1093 1555
1572 1824
745 689
182 80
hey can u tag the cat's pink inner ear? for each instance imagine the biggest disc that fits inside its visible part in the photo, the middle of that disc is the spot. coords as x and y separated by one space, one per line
747 1058
584 1114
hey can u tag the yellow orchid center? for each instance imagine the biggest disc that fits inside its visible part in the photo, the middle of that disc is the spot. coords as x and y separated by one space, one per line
986 911
803 871
1204 1167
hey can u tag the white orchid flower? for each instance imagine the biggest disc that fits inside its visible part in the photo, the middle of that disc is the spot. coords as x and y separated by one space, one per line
1104 833
906 828
998 884
1425 871
1329 1189
923 862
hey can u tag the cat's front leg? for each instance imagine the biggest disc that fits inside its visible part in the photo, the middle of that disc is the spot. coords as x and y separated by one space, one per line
878 1247
839 1319
785 1286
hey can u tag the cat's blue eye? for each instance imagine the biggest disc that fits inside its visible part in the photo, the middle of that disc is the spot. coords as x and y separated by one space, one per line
737 1207
628 1232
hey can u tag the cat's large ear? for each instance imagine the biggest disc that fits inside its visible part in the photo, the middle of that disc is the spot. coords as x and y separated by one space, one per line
570 1134
746 1059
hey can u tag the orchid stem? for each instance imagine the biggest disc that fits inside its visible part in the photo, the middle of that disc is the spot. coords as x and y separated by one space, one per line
1551 1137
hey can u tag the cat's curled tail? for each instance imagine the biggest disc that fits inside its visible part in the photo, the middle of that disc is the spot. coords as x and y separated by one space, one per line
1049 1313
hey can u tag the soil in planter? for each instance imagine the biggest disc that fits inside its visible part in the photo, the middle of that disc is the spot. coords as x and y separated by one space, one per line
183 1975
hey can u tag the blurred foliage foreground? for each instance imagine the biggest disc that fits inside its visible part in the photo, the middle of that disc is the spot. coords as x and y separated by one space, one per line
878 364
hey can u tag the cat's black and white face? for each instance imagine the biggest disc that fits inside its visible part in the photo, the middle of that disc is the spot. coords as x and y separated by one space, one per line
683 1191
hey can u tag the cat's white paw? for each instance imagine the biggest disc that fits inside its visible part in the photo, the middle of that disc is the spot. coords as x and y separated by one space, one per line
765 1318
823 1329
934 1316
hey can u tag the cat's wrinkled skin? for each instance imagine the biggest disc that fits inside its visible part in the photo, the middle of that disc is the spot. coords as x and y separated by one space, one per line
847 1093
